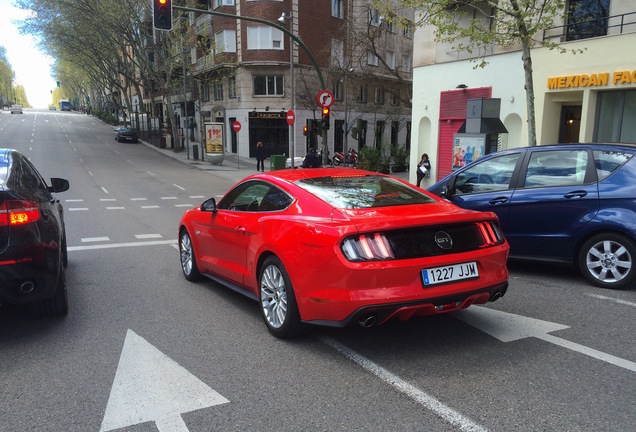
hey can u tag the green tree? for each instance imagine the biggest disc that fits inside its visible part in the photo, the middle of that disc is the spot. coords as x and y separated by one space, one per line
479 25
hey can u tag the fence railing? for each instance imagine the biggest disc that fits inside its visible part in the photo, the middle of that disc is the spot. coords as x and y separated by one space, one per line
585 29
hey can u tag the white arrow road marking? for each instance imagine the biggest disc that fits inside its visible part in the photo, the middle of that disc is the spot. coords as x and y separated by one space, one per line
509 327
149 386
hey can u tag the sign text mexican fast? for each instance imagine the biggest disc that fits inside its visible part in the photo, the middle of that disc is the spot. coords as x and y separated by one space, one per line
592 80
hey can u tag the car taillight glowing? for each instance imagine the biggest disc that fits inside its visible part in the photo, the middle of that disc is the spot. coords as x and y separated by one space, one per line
491 233
19 212
367 247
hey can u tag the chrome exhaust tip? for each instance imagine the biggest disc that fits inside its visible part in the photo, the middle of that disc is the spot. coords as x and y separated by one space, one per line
27 287
367 321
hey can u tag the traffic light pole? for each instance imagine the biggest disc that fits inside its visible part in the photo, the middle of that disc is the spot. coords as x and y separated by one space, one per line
287 32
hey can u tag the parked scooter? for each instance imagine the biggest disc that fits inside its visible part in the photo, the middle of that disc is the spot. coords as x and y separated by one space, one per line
350 159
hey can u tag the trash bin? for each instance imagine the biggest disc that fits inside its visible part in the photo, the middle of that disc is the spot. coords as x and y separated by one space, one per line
277 162
195 151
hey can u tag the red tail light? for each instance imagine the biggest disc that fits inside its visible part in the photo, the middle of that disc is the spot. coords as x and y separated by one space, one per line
491 233
368 247
19 212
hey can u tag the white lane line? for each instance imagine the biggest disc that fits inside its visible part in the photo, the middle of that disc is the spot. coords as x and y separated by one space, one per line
148 236
150 207
169 198
448 414
115 208
183 205
612 299
152 174
122 245
139 199
177 186
196 196
77 209
108 199
94 239
90 173
74 200
104 189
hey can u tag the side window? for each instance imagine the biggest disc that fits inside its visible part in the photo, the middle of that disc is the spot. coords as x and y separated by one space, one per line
245 197
556 168
275 200
29 177
607 162
488 176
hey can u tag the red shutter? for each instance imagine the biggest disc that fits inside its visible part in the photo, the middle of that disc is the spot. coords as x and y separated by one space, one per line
452 114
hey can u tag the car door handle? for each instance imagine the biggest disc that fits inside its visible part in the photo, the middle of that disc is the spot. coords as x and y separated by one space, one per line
499 200
240 229
575 194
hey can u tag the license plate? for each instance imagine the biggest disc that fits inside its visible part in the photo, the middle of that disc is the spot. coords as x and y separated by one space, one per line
450 273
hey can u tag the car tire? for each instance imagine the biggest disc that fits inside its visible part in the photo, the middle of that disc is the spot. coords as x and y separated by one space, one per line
187 257
608 261
278 302
56 305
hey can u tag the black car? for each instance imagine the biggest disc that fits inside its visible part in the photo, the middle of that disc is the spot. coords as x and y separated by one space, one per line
33 253
126 134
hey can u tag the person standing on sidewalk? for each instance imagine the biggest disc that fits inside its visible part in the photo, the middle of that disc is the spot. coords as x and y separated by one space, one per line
260 157
423 169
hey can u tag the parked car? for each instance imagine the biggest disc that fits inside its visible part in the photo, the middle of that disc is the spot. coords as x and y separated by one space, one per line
126 134
52 107
568 203
33 253
16 109
334 246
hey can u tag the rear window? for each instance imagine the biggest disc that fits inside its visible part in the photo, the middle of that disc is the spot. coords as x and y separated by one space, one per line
363 191
609 161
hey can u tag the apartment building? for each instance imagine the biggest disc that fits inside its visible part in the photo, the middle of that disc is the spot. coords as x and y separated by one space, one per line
241 72
587 94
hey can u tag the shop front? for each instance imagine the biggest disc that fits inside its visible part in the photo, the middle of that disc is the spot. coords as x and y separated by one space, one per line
271 129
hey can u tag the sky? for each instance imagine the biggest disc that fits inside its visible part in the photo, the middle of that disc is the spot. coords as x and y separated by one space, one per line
32 68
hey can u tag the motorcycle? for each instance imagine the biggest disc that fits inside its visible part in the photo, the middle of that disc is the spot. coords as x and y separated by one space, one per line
350 159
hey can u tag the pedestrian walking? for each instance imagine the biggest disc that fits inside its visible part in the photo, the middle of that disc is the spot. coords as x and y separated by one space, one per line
423 169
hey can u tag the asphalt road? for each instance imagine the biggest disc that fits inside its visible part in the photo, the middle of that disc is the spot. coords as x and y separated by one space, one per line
142 349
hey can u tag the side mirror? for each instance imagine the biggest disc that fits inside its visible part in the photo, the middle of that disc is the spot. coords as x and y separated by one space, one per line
209 205
447 191
58 185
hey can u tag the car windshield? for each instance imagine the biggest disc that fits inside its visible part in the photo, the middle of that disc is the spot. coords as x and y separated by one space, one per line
363 191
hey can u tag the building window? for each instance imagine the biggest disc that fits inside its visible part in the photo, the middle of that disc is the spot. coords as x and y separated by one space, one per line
264 37
390 59
407 30
390 27
336 9
218 91
361 94
337 53
372 59
205 92
587 19
337 90
407 63
231 87
614 117
218 3
395 98
225 41
268 85
374 17
378 96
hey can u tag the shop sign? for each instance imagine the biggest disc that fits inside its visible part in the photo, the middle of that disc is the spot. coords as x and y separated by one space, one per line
592 80
267 115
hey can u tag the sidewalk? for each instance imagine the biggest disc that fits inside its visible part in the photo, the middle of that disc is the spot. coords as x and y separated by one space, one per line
232 168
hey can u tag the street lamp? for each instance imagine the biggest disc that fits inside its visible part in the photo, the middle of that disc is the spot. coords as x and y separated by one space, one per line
292 136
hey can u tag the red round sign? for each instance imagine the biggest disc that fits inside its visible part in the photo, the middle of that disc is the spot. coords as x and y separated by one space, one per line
236 126
291 117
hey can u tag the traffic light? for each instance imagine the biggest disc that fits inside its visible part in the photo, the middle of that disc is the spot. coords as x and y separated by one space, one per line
305 130
325 118
58 83
162 13
88 100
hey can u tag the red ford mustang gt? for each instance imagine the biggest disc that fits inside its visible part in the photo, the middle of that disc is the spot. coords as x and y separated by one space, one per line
332 246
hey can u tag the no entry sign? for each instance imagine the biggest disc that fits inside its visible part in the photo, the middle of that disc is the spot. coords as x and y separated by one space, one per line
291 117
236 126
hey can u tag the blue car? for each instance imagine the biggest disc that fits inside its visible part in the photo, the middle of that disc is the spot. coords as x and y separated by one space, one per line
565 203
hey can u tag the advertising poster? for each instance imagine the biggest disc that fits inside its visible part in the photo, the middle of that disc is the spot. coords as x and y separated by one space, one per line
467 148
214 138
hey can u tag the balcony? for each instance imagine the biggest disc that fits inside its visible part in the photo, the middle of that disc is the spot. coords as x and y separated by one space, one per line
205 63
603 26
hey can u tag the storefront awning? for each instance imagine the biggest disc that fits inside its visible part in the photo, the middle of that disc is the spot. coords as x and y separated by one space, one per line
488 126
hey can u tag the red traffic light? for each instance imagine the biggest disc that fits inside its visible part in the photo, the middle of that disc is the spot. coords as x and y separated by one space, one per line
162 14
305 130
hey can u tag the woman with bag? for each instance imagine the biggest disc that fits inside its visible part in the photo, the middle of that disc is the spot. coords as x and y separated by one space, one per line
423 169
